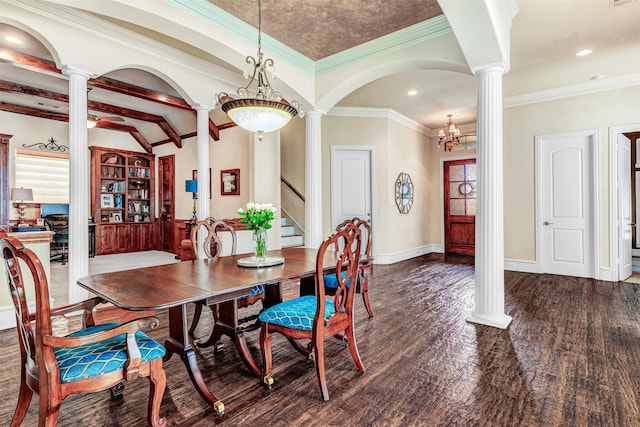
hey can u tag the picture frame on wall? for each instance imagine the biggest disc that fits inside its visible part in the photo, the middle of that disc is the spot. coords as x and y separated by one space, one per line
230 182
106 201
194 175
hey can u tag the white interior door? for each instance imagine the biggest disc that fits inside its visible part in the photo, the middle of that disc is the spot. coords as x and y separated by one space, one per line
625 258
351 172
565 202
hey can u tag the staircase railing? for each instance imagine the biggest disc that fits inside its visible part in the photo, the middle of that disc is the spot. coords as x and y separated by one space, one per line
292 188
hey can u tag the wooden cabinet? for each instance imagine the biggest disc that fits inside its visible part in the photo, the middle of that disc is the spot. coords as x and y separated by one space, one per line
122 200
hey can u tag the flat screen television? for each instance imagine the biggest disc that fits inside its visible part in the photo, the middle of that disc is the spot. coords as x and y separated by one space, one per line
48 209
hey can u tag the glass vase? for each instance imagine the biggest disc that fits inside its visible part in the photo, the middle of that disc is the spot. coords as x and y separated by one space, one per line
260 243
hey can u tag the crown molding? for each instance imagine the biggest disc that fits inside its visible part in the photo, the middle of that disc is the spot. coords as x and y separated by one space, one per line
379 113
595 86
214 15
416 33
74 18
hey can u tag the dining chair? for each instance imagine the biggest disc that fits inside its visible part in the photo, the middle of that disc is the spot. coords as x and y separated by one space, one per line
365 266
306 321
226 316
59 224
95 358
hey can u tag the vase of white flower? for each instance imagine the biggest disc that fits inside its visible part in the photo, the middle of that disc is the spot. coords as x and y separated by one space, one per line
258 218
260 243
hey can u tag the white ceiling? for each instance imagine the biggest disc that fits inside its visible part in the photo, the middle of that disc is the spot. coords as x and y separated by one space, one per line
545 37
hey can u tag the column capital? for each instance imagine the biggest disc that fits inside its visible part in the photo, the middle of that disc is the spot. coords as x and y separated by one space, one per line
69 70
500 67
314 112
199 107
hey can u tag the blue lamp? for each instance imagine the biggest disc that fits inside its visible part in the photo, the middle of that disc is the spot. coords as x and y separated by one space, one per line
191 186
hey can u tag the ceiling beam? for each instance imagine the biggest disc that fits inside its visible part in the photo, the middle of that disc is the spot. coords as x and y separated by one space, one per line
132 131
63 117
36 112
139 115
111 85
99 106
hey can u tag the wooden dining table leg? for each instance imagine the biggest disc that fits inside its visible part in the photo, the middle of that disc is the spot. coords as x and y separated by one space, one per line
178 342
273 295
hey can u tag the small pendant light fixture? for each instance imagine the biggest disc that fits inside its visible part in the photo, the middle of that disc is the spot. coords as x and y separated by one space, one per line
449 135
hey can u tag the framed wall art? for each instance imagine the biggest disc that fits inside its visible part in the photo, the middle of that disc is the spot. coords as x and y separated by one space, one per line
230 182
404 193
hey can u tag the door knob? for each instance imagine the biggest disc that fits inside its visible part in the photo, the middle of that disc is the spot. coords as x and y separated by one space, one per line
547 223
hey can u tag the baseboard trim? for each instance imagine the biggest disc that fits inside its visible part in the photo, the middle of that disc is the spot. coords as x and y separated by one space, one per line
406 254
8 315
520 265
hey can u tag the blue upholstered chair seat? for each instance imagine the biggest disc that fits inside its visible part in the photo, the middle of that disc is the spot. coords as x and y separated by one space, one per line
256 290
331 281
91 360
297 313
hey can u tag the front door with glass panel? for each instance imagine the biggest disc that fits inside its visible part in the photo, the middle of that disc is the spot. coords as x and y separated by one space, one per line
460 206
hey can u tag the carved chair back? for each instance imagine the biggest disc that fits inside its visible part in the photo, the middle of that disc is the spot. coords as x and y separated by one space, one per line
348 238
49 364
312 318
205 233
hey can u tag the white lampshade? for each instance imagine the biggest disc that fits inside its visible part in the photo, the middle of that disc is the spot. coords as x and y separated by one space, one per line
21 194
257 119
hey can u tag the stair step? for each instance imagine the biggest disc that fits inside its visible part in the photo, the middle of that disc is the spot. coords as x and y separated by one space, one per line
293 240
287 230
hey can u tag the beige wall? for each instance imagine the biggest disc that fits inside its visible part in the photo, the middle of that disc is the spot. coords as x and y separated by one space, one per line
407 152
598 111
230 152
398 148
292 162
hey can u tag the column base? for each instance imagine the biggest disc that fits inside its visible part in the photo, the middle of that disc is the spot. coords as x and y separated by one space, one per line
501 322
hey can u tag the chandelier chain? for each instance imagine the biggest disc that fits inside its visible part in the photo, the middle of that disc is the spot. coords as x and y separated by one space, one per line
259 27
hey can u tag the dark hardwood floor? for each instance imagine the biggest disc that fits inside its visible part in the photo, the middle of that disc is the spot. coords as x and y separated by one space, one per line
571 357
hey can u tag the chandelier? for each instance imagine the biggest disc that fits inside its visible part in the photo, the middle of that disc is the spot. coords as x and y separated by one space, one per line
268 110
449 135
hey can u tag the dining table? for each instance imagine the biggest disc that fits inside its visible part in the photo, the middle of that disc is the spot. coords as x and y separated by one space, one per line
174 286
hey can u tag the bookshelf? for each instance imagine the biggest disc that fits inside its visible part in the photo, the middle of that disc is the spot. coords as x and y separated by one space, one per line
122 188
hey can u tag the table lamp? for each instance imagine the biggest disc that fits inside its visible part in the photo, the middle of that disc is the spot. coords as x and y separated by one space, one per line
19 195
191 186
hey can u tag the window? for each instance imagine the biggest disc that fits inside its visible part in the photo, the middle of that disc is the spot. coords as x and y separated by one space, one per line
47 174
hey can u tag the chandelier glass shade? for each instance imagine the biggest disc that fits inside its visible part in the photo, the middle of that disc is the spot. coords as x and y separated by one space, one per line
268 110
449 135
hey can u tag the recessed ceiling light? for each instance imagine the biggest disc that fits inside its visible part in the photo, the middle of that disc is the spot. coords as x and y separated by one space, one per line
583 52
13 39
412 92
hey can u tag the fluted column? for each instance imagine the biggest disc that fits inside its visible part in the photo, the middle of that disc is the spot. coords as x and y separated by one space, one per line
489 260
202 140
79 179
313 179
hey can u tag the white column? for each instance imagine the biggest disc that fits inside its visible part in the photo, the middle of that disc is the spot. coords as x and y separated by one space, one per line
264 162
79 179
489 260
313 180
202 141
